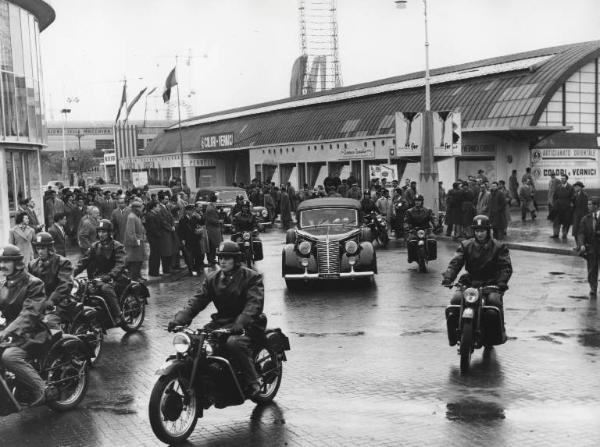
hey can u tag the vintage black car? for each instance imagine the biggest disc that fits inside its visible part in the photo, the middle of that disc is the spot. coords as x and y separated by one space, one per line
330 242
226 201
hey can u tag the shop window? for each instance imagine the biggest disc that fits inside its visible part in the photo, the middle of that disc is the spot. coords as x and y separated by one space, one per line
331 146
17 175
383 142
365 144
374 143
337 145
345 146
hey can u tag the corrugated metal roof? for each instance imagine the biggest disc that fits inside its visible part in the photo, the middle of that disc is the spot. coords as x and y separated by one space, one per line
504 91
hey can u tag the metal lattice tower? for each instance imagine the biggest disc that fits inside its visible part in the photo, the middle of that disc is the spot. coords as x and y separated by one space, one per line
319 45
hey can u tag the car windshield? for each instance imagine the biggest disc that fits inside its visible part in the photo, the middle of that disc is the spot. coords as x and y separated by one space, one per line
328 216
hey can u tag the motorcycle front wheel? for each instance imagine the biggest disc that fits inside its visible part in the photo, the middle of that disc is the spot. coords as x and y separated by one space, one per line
173 412
248 257
422 261
134 311
270 372
466 346
92 334
68 374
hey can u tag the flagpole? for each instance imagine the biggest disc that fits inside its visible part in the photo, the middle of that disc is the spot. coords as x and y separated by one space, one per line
179 126
117 160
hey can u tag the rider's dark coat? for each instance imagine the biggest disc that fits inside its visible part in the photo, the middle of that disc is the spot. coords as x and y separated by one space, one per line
23 302
103 259
57 275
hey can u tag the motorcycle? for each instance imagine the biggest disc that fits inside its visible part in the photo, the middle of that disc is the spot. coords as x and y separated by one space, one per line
422 247
91 318
473 324
198 376
379 228
63 364
250 246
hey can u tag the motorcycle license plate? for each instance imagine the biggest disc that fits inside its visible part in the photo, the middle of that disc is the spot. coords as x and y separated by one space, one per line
421 242
468 313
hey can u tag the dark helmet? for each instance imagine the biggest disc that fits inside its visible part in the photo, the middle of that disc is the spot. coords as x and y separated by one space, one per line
419 197
481 222
229 248
43 239
10 253
246 204
366 192
105 225
239 197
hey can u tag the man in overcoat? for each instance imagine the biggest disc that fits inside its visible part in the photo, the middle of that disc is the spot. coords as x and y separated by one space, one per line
159 245
213 229
118 218
134 240
189 232
588 241
497 211
580 208
562 206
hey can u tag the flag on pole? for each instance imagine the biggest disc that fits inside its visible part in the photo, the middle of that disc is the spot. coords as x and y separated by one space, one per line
123 101
170 82
136 99
401 4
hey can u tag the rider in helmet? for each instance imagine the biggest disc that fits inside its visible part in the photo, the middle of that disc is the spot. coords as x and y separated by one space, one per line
22 303
487 262
418 216
367 204
239 201
244 220
105 260
57 274
238 294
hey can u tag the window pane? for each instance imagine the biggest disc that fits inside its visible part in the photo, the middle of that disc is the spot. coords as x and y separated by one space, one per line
15 39
587 128
10 180
21 106
5 51
26 44
33 46
8 104
33 133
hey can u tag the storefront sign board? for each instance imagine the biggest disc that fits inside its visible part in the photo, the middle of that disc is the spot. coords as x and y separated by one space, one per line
357 152
217 141
580 164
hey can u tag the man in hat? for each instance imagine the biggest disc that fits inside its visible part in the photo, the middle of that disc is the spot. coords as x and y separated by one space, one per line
86 233
588 241
189 229
580 208
562 205
118 218
22 302
134 240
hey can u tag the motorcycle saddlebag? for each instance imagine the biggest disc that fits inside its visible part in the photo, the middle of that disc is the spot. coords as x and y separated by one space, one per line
277 341
412 250
431 249
258 250
492 322
452 314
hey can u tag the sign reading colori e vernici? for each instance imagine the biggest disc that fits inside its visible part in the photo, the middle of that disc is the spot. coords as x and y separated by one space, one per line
578 164
217 141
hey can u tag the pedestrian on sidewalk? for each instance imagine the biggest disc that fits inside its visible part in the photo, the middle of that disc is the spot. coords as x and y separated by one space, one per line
580 208
134 240
562 207
513 187
552 185
497 210
526 192
588 240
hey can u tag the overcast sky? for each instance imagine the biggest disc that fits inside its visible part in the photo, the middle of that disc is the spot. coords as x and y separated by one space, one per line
243 50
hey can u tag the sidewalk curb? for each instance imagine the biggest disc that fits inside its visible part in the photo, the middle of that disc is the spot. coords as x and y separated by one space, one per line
527 247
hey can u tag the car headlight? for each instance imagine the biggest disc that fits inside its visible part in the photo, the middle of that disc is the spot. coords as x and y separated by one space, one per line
351 247
264 213
304 247
246 236
471 295
226 210
421 233
181 342
207 348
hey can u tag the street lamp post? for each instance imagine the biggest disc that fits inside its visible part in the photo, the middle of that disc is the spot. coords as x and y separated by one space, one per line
65 170
428 177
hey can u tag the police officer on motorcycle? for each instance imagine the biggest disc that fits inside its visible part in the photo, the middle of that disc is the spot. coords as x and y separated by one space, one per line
487 262
105 260
245 220
238 294
418 216
367 203
57 274
239 202
22 303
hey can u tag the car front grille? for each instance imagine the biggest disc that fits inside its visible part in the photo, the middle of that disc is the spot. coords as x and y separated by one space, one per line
328 257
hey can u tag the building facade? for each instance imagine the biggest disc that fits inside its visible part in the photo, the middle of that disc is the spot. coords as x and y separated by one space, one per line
22 121
537 109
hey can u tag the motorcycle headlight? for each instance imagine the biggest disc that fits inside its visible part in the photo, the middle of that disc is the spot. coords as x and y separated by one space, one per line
181 342
246 236
421 233
264 213
304 247
208 348
226 210
471 295
351 247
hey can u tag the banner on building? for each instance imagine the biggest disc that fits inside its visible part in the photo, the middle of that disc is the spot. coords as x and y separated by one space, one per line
578 163
139 179
446 134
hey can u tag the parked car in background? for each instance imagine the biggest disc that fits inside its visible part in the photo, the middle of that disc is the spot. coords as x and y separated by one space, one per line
329 243
226 201
55 185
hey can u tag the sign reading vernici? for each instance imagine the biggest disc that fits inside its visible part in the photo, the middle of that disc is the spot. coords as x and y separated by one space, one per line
217 141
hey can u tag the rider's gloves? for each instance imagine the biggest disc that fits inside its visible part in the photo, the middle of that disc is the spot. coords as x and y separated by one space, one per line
237 328
172 325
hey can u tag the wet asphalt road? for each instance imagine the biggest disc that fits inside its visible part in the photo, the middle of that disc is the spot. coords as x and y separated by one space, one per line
368 367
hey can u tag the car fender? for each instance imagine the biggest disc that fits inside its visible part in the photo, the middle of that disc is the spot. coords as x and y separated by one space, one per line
290 260
366 254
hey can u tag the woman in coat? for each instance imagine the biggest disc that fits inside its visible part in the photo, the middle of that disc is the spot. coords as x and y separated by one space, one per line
453 210
135 240
22 235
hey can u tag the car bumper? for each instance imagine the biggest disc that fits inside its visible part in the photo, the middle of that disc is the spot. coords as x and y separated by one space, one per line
342 275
